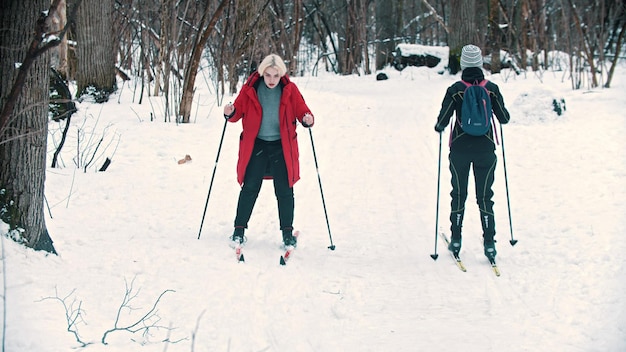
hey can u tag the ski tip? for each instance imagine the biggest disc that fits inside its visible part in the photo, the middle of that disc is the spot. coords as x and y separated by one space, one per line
282 260
241 259
513 242
434 256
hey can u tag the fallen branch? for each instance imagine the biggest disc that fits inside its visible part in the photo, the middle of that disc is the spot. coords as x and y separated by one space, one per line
73 315
146 322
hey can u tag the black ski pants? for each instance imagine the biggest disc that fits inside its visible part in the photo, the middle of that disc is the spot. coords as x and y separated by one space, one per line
484 165
267 160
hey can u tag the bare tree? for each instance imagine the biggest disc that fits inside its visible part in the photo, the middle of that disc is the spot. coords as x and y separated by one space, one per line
510 33
241 41
618 31
323 32
355 41
24 117
206 26
286 20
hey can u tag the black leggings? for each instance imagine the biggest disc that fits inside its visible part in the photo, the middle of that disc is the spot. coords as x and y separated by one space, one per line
484 165
267 160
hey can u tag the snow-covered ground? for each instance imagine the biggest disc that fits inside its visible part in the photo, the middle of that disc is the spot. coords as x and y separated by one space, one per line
133 230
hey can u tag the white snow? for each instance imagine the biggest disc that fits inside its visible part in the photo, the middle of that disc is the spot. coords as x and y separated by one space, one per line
562 286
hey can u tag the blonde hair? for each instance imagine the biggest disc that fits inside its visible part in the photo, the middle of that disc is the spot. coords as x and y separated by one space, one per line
272 60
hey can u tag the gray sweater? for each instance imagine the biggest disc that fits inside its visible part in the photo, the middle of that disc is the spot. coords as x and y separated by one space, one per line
270 102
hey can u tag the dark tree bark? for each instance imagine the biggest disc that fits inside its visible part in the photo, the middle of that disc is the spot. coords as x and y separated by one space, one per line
95 50
24 101
463 31
494 36
352 54
385 33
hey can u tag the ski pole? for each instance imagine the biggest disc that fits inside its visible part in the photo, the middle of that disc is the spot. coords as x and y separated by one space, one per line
219 149
506 183
319 180
435 255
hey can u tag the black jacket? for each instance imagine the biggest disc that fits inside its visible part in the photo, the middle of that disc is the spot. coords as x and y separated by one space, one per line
452 102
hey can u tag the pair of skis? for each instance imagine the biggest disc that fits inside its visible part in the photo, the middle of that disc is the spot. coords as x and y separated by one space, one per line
283 258
459 262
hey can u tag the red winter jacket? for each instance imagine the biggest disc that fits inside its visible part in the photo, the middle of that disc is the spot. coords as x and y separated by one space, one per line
292 109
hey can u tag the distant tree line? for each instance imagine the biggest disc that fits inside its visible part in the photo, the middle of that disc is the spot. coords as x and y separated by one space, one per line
162 40
164 43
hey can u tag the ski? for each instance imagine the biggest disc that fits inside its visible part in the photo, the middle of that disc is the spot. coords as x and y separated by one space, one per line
288 251
239 253
494 267
238 247
456 257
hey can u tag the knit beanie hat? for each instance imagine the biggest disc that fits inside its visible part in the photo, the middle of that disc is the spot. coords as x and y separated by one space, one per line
471 57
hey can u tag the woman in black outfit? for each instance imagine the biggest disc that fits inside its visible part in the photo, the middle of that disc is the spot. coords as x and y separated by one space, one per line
467 151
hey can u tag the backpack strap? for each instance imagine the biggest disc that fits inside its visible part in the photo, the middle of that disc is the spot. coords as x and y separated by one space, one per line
483 84
456 118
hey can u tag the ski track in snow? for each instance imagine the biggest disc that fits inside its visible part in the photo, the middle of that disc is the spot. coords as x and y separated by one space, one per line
561 287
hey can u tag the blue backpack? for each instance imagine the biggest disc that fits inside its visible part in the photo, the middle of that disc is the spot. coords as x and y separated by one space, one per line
476 113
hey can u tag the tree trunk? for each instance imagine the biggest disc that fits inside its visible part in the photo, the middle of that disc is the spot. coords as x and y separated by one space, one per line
363 37
618 47
59 54
462 31
352 54
585 43
494 36
23 141
385 33
296 36
194 61
95 52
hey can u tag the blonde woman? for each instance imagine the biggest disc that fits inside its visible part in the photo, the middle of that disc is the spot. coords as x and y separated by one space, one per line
269 106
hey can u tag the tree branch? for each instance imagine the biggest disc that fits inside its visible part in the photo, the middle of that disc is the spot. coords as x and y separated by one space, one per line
73 316
437 17
148 321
